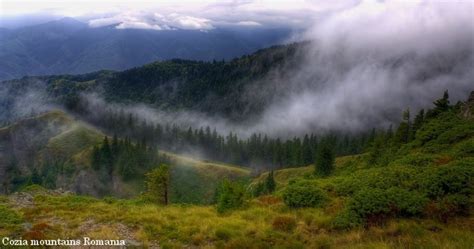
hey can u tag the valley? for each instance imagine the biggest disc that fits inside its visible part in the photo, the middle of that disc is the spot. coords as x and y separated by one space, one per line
393 195
237 124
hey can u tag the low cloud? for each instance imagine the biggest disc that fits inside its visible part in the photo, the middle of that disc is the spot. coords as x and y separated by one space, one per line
368 63
248 23
155 21
364 65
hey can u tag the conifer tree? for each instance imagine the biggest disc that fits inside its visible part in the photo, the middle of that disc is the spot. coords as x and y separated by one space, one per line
115 147
270 184
417 122
307 151
403 132
35 177
96 161
442 104
324 163
377 148
157 184
230 195
106 156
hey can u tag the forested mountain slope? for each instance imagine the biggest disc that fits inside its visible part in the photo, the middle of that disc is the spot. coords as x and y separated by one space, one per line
413 187
213 88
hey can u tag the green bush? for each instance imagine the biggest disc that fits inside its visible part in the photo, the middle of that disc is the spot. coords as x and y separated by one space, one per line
406 203
450 188
448 206
432 129
383 178
416 160
453 178
374 206
370 201
230 195
346 219
447 128
304 193
465 149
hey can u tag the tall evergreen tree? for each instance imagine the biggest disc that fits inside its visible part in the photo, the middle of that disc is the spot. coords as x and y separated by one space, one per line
443 103
418 122
35 177
270 184
403 132
324 163
307 151
157 184
96 161
106 156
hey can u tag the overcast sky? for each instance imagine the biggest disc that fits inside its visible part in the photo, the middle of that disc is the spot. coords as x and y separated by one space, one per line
187 14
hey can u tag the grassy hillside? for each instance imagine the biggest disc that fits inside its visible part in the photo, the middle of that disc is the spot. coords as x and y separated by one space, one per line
264 223
195 181
409 190
284 176
59 148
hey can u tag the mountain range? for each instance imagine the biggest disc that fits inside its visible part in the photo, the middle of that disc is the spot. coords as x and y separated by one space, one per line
68 46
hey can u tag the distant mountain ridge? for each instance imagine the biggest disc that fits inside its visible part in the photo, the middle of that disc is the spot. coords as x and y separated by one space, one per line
68 46
170 85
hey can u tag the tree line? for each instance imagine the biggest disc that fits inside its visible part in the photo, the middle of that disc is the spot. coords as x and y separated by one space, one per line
123 157
258 150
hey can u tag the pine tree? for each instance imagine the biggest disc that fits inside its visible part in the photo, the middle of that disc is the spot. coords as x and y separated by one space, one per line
402 135
106 156
324 163
270 184
307 151
157 183
417 122
114 148
377 149
442 104
230 195
35 177
96 161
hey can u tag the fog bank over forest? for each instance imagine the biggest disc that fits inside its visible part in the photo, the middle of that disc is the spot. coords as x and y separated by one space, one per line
361 67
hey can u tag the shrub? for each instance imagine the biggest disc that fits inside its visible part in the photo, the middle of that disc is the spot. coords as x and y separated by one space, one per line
373 206
447 207
407 203
465 149
453 178
370 203
346 220
284 223
383 178
417 159
230 195
304 193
